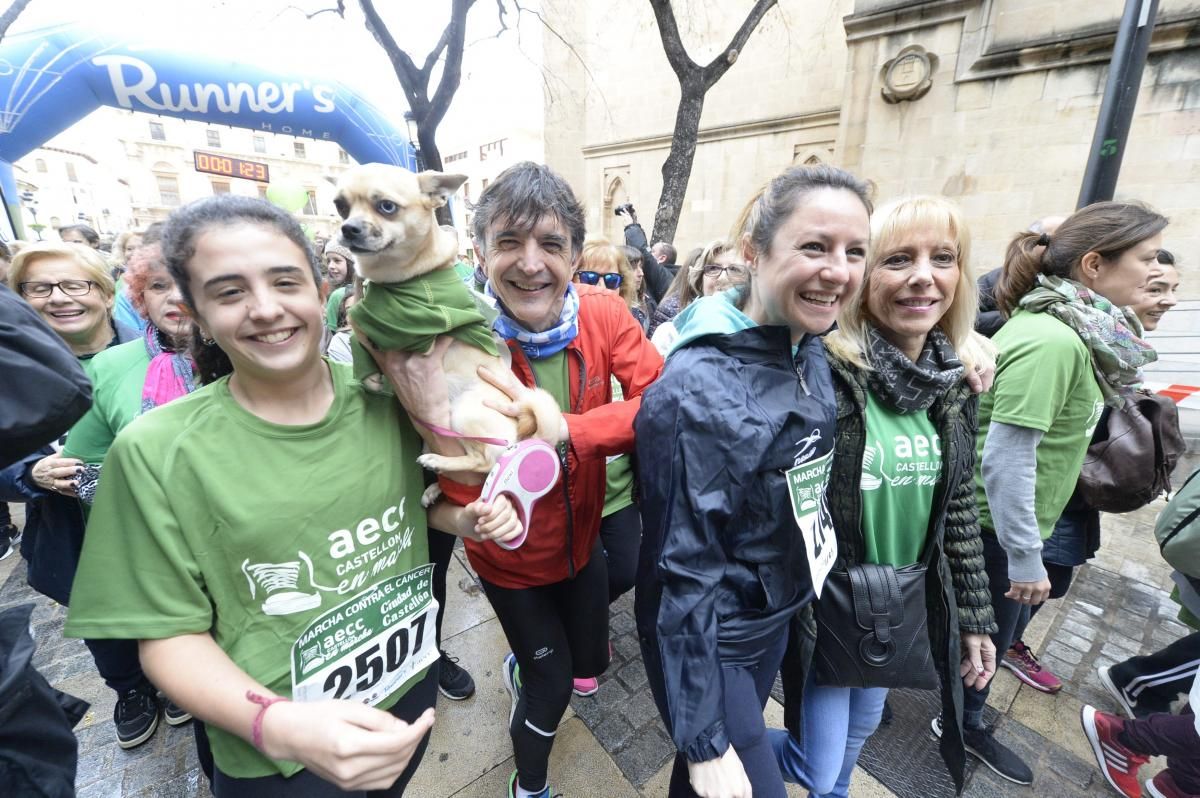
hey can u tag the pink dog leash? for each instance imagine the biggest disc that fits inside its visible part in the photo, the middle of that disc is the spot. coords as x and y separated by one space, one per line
525 472
446 432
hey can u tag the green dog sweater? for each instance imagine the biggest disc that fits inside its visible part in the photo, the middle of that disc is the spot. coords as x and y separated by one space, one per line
408 317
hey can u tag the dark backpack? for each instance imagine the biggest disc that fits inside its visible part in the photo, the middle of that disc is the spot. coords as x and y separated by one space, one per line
1129 463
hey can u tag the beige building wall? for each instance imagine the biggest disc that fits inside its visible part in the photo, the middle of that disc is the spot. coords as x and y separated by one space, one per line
777 104
1007 124
1004 129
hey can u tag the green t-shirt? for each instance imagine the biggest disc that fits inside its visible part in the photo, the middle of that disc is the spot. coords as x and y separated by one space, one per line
902 463
1044 381
551 375
618 487
207 520
332 306
118 375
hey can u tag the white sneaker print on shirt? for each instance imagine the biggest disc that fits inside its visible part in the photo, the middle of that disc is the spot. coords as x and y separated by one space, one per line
279 581
872 471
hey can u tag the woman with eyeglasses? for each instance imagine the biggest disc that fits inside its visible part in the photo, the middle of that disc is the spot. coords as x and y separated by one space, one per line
717 269
71 287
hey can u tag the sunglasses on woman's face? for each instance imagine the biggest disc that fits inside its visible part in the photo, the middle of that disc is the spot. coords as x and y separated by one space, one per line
612 280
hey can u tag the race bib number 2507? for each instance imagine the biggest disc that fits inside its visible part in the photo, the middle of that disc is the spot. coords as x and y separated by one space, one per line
366 648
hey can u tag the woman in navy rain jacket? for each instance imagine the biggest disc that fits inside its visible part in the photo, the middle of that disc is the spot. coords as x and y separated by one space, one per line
734 444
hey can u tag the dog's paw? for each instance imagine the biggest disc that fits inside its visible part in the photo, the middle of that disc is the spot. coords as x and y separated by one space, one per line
431 495
374 383
430 462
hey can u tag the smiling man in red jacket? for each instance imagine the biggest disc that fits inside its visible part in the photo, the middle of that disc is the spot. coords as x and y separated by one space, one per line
551 594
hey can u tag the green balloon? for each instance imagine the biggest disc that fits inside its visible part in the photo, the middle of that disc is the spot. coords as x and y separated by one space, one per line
289 196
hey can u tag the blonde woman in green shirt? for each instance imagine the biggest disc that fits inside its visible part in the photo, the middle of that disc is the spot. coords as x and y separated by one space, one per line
297 624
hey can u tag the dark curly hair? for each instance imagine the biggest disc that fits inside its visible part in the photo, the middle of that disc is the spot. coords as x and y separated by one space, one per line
179 246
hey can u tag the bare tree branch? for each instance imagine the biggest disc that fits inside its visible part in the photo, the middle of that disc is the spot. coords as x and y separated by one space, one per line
694 83
10 15
436 52
415 90
714 69
668 28
452 72
570 48
340 10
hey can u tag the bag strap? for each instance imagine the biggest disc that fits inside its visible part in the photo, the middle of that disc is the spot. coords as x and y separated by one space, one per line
877 599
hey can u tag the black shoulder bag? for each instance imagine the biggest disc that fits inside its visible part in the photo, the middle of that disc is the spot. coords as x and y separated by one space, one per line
873 627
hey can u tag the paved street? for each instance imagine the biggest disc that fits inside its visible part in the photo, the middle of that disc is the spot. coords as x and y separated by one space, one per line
613 745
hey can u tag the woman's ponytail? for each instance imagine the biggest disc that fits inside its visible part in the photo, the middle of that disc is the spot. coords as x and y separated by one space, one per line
1022 265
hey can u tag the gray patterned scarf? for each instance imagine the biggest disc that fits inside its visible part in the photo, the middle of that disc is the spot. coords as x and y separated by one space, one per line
909 386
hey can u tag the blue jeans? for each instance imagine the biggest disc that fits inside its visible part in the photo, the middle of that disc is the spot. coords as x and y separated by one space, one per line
837 722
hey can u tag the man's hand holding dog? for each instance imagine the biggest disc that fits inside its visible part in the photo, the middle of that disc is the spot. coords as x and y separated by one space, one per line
479 520
418 380
512 388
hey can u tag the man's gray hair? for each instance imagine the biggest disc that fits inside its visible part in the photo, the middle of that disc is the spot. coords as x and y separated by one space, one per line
521 196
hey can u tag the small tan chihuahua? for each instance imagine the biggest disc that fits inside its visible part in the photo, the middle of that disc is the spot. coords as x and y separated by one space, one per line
389 225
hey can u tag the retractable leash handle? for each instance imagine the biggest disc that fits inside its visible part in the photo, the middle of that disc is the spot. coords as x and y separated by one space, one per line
525 472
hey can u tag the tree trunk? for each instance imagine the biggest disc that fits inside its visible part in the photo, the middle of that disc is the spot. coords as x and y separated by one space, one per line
431 156
694 83
677 169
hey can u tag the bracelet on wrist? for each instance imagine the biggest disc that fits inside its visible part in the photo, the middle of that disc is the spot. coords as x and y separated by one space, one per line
256 725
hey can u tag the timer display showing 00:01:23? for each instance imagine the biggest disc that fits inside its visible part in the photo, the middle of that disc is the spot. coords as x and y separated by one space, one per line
232 167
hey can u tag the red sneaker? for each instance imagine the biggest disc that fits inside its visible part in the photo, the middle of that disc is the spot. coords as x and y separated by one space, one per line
1163 786
1118 764
1020 660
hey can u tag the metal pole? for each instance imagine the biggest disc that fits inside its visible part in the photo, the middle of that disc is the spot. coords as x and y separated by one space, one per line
1120 97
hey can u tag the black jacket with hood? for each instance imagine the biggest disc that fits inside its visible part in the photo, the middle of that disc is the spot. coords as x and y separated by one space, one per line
723 565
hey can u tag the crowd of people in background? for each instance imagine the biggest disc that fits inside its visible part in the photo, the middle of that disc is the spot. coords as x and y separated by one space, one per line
820 403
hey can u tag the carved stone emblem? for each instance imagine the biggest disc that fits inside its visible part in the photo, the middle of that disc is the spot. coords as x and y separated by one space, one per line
909 75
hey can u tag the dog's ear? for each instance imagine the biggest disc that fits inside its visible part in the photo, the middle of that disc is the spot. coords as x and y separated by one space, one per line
438 187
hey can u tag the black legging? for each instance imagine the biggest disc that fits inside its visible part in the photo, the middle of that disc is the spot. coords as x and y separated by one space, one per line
441 550
557 632
621 536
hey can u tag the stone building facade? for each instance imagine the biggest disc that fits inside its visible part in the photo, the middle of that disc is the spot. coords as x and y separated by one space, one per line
1009 92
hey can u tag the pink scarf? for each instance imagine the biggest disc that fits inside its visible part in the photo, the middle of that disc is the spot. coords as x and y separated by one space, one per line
170 376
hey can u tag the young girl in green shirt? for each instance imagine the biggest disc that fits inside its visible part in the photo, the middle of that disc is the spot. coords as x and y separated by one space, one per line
244 586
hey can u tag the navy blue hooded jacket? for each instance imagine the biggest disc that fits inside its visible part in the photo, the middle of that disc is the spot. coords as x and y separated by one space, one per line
723 564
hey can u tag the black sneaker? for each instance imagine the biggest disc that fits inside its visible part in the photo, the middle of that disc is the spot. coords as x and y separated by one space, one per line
453 680
983 746
174 714
135 716
10 540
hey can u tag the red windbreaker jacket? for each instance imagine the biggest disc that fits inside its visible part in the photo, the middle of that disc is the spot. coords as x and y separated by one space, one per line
561 534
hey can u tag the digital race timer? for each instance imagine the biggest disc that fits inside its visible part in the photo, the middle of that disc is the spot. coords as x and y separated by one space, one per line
232 167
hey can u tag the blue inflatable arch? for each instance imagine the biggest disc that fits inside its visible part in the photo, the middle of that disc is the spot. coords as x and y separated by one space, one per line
53 77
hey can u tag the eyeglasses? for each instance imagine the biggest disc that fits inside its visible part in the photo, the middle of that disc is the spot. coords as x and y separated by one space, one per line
612 280
68 287
736 270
